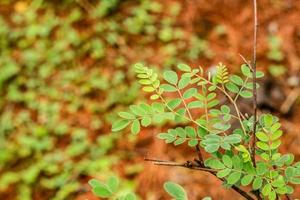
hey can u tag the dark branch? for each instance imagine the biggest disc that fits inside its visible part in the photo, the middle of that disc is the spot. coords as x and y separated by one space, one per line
254 83
257 193
200 157
195 166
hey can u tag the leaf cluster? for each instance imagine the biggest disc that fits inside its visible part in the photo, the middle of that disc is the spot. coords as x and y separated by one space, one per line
227 145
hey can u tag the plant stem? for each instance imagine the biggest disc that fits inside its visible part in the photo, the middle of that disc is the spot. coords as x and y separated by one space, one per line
193 166
184 103
223 90
254 82
200 157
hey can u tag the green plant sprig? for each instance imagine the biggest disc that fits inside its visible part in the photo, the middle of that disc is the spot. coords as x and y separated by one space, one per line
229 147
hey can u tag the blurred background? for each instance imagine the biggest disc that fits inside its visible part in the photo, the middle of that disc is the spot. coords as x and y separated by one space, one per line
66 70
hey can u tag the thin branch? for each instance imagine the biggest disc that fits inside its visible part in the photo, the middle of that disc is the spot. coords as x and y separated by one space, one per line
246 61
200 157
176 113
239 114
191 165
254 82
184 104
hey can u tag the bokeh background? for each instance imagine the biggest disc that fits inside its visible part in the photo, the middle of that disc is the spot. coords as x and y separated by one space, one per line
66 70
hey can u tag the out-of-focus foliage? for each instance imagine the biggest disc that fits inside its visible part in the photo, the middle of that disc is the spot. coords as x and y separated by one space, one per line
275 55
111 189
65 69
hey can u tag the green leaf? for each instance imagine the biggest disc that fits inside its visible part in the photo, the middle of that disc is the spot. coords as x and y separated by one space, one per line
175 190
135 127
171 77
130 196
259 74
113 183
262 146
145 82
168 87
246 94
212 88
234 177
126 115
275 144
249 85
261 168
279 182
289 172
257 183
119 125
223 173
277 134
102 192
221 126
100 189
211 148
281 190
174 103
184 81
225 109
246 70
237 80
295 180
146 108
225 146
213 103
233 139
96 183
179 141
190 132
184 67
268 120
232 87
195 104
275 127
180 132
201 131
290 159
237 162
216 164
272 195
154 97
163 136
290 190
148 89
193 142
266 189
158 107
246 180
146 121
227 161
189 93
211 96
137 110
180 114
200 97
262 136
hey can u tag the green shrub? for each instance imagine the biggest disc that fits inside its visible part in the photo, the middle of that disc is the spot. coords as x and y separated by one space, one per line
228 146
